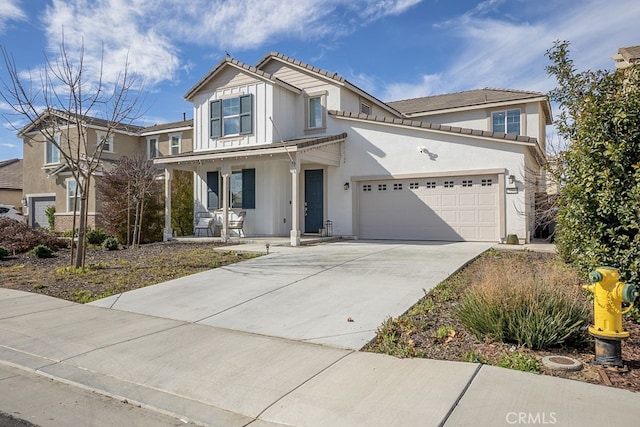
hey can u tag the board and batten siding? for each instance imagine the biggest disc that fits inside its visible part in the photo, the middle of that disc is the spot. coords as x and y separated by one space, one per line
262 110
272 213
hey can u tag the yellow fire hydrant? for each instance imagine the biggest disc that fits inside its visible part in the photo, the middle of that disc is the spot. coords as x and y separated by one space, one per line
608 295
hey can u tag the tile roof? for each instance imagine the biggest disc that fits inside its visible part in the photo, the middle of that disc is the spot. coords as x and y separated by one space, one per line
333 76
441 128
88 120
167 126
298 142
630 53
239 64
330 75
467 98
217 67
11 174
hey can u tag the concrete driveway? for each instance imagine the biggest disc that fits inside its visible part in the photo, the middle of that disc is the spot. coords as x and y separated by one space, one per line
335 294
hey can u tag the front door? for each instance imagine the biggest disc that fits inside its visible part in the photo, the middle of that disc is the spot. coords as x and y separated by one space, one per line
313 200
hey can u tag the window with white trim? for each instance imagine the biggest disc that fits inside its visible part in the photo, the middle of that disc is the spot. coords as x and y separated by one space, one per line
51 150
431 184
73 195
448 184
175 143
382 187
231 116
467 183
153 149
107 143
506 121
366 187
397 186
487 182
414 185
315 111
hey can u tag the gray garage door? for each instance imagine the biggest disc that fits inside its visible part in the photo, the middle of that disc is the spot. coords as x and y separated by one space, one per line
37 215
447 209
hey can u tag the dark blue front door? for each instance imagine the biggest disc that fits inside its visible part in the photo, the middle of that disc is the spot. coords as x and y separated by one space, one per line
313 211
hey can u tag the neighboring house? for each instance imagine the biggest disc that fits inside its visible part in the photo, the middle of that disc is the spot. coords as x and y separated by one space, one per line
627 56
11 183
48 179
296 146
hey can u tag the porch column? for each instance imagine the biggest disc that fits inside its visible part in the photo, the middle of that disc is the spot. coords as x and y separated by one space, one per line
295 202
168 231
224 233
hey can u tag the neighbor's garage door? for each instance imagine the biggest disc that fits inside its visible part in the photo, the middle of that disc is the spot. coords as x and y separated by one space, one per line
448 209
37 214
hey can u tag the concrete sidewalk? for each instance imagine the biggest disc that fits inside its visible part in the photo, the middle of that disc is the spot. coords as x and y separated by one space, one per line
214 376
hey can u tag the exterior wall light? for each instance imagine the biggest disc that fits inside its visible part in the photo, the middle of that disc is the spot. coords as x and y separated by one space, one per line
346 186
512 179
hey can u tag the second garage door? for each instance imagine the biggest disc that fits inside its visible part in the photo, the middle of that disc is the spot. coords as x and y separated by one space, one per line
447 209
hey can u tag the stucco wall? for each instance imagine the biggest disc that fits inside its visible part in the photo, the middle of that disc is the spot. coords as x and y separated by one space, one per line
376 150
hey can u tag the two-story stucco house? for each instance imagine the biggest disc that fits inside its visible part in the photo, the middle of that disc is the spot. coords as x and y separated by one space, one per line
295 146
48 179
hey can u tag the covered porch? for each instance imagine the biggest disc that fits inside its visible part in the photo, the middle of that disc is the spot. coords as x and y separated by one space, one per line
281 187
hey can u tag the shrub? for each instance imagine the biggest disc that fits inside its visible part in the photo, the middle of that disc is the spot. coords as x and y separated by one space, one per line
3 252
42 251
18 237
526 304
111 244
96 237
50 212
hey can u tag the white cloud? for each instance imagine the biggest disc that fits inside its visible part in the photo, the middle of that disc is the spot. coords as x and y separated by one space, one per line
150 31
5 144
113 36
500 50
10 11
430 84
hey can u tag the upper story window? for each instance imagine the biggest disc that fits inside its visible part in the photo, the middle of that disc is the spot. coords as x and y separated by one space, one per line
231 116
315 111
107 143
175 142
153 150
73 194
506 121
51 150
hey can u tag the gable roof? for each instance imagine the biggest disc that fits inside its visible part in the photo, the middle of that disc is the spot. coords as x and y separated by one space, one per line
11 174
435 127
334 77
468 99
228 61
87 120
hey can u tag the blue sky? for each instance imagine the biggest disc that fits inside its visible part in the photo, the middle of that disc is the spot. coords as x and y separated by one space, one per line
394 49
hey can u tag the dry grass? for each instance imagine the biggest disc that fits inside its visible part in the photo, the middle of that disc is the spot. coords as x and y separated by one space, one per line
535 304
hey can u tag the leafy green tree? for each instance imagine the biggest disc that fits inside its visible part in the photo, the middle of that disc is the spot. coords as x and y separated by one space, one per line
599 169
182 202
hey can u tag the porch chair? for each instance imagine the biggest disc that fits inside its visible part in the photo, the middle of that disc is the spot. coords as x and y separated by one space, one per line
204 221
236 222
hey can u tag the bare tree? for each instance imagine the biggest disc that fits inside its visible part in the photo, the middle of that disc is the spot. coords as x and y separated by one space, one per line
62 102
